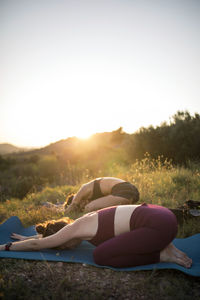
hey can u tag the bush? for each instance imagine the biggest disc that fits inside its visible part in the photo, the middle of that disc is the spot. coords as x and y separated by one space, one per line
22 186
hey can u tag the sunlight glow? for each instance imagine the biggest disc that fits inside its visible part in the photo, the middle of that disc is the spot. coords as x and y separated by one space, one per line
74 68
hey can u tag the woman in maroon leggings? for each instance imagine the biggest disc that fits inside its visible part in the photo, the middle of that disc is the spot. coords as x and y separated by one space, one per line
124 236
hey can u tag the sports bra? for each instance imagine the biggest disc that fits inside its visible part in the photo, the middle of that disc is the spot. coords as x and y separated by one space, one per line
105 229
97 190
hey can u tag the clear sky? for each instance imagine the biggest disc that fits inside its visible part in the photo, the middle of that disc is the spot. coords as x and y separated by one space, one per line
77 67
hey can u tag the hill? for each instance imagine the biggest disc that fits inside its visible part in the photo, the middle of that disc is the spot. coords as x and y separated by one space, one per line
179 141
74 147
8 148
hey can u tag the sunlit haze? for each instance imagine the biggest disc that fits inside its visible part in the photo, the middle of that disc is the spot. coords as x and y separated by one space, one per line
77 67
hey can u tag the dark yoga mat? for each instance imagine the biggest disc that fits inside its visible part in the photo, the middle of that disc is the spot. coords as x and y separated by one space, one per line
83 253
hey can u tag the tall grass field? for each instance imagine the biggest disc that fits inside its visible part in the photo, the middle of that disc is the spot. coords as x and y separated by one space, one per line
159 182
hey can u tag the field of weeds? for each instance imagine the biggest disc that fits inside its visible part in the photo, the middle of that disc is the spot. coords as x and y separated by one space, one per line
158 183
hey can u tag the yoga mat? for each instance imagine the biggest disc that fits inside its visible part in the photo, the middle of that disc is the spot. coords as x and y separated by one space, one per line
83 253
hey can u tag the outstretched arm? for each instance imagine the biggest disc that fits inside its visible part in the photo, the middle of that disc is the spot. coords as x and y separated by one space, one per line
66 234
85 192
20 237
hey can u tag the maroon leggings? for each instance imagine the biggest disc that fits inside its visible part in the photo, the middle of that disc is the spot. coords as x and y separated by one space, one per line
152 229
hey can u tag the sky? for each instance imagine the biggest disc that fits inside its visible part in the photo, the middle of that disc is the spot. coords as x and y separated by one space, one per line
77 67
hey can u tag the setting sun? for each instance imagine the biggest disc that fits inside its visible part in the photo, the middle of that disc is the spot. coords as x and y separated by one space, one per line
77 68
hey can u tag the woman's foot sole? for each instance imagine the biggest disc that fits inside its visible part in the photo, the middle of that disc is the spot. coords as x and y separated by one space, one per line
174 255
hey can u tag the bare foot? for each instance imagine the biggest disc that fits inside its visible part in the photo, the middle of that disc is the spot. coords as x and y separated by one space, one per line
174 255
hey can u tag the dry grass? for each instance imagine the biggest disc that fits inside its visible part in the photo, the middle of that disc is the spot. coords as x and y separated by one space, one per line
159 183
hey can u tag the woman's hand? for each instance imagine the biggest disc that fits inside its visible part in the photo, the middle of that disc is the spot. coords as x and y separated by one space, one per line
2 247
19 237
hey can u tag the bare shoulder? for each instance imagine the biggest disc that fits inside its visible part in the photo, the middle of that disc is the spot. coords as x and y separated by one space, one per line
87 225
88 218
88 186
86 189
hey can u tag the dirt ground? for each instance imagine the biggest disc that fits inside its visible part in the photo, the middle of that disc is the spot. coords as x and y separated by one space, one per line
21 279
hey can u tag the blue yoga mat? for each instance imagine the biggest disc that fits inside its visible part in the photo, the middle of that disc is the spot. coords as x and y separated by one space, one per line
83 253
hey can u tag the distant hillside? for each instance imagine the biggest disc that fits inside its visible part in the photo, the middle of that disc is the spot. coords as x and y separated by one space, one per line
73 145
59 147
178 140
8 148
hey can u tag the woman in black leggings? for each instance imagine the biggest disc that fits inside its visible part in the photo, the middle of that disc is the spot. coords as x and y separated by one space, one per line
124 236
102 192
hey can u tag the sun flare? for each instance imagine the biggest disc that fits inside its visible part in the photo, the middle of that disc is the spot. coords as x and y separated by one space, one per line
84 69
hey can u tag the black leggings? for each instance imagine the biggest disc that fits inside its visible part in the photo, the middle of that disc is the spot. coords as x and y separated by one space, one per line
152 229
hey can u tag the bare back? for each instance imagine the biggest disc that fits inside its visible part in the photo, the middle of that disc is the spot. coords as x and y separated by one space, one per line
107 183
123 215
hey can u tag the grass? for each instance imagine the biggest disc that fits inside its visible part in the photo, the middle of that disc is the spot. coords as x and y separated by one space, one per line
159 182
